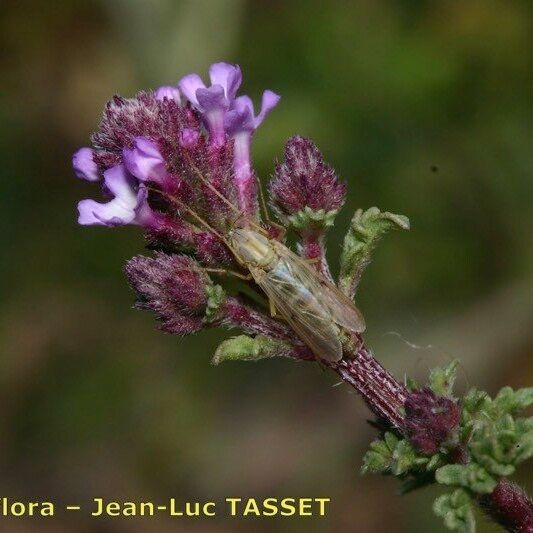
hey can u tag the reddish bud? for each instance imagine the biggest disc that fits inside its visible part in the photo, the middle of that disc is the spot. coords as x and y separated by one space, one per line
430 420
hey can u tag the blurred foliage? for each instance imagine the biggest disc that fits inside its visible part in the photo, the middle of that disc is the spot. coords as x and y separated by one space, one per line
425 108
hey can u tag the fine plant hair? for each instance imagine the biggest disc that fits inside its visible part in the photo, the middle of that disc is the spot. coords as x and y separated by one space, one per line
176 162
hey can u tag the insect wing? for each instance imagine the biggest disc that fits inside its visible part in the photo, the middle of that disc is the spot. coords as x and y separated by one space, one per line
301 308
343 311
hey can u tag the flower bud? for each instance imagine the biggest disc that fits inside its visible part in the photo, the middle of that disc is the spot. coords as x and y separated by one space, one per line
305 184
174 287
430 420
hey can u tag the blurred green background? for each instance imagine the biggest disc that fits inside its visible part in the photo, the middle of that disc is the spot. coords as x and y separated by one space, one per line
425 108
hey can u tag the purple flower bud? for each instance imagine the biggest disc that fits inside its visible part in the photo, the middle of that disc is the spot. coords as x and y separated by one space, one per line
174 287
189 138
211 250
127 207
145 161
430 420
169 92
305 180
84 165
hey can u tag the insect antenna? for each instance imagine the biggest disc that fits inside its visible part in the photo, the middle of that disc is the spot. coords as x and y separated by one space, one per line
195 215
239 212
263 201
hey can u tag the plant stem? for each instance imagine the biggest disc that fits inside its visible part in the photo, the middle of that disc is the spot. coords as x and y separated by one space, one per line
383 394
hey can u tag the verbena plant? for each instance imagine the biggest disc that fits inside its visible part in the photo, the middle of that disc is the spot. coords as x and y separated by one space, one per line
176 162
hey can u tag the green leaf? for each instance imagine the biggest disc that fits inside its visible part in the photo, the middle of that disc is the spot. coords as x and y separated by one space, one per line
404 457
441 380
434 462
391 440
524 441
308 218
379 458
244 348
475 400
366 229
374 463
456 510
411 384
389 455
471 476
215 298
511 401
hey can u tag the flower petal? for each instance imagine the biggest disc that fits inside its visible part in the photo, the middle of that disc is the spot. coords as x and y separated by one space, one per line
113 213
168 92
229 77
84 166
269 101
121 185
211 99
120 210
188 85
240 117
145 161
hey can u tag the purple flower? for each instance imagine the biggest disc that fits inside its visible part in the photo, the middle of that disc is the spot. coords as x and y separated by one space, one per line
241 116
145 161
127 207
169 92
240 122
84 165
174 287
215 100
305 180
228 115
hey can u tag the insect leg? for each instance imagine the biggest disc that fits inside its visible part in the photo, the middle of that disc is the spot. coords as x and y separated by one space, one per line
272 308
225 271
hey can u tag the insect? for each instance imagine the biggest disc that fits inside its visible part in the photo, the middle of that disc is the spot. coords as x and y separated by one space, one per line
316 310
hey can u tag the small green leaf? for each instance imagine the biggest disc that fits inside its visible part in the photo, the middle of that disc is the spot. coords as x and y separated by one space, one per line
475 400
411 384
441 380
404 457
511 401
374 463
471 476
366 229
308 218
244 348
524 441
215 298
434 462
456 510
391 440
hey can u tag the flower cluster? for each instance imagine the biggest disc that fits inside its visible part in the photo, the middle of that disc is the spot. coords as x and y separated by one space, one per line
161 144
176 162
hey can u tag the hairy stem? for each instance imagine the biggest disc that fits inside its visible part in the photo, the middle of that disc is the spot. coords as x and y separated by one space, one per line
313 247
383 394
